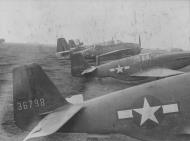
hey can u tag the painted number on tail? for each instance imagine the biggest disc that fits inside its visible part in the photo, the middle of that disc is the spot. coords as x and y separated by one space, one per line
29 104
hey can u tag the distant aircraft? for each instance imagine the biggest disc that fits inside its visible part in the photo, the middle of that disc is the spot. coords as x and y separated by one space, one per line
135 68
113 51
155 111
176 49
64 49
104 52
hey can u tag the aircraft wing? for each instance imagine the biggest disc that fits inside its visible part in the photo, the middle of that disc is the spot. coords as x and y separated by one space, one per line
158 72
112 55
54 121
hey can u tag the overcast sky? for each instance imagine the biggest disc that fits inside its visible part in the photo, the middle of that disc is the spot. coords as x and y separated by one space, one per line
161 23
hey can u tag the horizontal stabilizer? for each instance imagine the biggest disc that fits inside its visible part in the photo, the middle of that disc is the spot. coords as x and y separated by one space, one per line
89 70
157 72
112 55
75 99
63 53
54 121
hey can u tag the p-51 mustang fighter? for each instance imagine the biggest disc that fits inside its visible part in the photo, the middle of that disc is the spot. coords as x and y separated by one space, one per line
135 68
155 111
104 52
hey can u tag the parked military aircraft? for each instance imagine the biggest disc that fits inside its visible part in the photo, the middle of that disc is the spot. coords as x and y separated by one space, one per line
104 52
155 111
113 51
176 49
64 49
60 44
134 68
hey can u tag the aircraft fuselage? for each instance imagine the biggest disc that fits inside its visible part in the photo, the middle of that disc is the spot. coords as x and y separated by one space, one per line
159 110
125 68
92 52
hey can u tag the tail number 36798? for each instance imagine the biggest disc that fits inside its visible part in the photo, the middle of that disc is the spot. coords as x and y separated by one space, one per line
36 103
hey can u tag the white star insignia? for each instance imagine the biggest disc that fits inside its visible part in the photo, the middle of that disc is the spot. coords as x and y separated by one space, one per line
119 69
147 112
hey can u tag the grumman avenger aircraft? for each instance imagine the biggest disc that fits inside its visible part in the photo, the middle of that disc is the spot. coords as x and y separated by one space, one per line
148 66
154 111
105 52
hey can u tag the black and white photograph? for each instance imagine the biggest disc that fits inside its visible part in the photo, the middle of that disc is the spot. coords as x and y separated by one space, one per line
94 70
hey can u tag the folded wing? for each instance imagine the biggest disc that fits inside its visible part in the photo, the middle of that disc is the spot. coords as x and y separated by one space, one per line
112 55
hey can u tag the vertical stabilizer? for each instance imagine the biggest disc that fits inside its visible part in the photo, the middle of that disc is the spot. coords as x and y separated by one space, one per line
72 44
78 64
62 45
33 95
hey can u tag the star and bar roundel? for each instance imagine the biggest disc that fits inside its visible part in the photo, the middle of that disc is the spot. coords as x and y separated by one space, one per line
119 69
149 113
